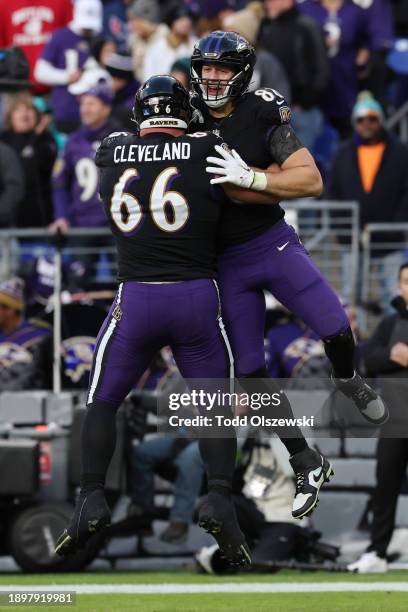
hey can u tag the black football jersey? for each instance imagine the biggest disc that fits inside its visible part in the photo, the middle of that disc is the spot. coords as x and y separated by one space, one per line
160 204
248 129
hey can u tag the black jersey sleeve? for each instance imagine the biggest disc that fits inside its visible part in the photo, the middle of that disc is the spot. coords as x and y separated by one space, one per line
272 110
270 107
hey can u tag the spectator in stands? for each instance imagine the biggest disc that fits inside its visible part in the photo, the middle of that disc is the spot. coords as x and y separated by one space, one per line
400 11
124 85
101 47
381 37
145 458
268 71
386 356
180 70
292 348
297 42
29 24
295 351
345 27
94 70
371 168
11 186
26 131
145 31
24 344
178 42
75 180
213 13
64 57
115 25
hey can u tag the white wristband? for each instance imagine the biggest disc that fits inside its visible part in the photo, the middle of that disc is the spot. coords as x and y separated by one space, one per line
260 181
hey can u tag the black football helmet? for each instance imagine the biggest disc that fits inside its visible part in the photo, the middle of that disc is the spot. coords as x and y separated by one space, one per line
231 50
162 101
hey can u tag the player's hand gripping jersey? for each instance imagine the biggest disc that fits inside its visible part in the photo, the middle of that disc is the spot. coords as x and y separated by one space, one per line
258 128
160 204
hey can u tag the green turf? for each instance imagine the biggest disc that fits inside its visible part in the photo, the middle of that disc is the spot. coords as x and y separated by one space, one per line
219 602
183 576
297 602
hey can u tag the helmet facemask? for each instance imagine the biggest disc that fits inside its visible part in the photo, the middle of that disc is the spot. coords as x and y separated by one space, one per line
226 89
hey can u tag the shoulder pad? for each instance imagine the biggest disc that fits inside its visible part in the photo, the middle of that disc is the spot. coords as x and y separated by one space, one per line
103 156
208 139
270 106
114 137
200 134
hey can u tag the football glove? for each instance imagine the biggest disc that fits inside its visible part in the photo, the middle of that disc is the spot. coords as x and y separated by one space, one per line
231 168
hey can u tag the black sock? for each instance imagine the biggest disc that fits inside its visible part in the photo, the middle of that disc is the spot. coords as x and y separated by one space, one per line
294 444
340 349
98 440
219 456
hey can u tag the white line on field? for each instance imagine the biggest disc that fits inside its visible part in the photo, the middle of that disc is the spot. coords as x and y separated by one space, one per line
225 587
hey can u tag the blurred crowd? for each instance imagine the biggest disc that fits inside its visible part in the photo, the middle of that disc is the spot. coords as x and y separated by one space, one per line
343 67
341 64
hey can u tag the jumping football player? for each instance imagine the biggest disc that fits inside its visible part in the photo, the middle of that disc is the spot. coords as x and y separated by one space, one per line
260 251
163 213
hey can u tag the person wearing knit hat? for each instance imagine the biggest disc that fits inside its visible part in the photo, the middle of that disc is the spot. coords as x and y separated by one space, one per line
12 295
145 29
23 343
147 10
181 71
76 201
124 85
371 169
119 66
366 106
103 92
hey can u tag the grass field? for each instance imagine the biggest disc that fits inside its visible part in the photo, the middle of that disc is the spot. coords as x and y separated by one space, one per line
345 600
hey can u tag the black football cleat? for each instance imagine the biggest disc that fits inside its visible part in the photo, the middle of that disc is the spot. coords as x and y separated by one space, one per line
369 403
217 516
312 470
91 515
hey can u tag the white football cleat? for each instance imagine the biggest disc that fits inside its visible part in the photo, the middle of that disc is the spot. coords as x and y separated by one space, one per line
312 471
369 563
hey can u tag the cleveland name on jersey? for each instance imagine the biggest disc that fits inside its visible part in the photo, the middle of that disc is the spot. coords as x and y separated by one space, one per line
160 204
250 129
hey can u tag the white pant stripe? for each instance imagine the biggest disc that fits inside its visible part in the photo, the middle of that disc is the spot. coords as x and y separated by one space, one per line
101 350
225 337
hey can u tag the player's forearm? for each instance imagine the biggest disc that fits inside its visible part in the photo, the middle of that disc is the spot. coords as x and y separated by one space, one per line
246 196
298 182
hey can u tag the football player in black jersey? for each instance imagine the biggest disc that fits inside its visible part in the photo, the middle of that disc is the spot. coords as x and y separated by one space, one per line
259 251
163 213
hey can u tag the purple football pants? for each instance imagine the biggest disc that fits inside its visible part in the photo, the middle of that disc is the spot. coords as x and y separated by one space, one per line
144 318
277 262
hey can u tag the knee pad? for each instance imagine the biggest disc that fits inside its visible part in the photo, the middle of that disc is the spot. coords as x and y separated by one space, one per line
340 349
344 338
